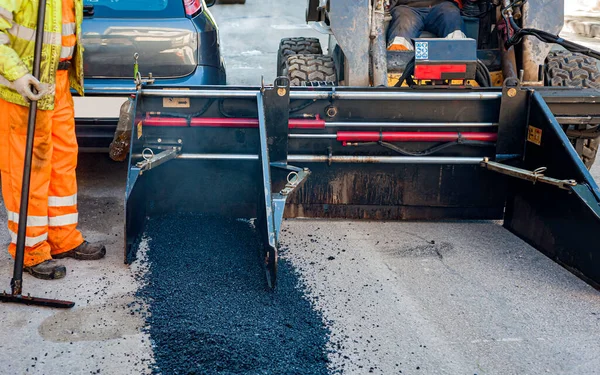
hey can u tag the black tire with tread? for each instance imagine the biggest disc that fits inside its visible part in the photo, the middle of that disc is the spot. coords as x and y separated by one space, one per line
296 46
301 70
568 69
590 151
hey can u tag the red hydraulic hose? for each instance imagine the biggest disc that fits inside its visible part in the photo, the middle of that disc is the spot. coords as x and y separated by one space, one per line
299 123
165 121
318 123
351 136
224 122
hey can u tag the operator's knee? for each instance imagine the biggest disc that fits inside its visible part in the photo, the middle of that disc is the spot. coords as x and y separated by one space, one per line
406 24
446 21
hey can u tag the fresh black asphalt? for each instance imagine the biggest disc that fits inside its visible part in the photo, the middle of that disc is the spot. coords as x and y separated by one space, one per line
209 310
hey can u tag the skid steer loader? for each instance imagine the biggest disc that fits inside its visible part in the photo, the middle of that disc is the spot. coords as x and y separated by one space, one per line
434 152
357 54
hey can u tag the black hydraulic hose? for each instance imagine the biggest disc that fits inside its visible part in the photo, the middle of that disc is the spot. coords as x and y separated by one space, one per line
482 75
547 37
434 149
17 280
485 73
189 116
302 106
480 78
426 152
409 70
222 110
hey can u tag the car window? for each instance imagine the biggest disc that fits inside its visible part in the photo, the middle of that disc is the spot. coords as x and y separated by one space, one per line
137 8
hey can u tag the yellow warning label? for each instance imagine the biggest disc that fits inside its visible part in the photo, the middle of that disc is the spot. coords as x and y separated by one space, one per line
176 102
534 135
139 130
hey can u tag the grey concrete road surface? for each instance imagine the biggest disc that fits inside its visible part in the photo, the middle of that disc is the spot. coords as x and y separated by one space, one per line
250 36
444 298
99 335
447 298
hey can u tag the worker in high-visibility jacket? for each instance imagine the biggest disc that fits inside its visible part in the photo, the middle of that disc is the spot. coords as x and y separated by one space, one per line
52 221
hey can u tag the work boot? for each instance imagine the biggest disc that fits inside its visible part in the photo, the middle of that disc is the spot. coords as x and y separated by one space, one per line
48 270
400 44
85 251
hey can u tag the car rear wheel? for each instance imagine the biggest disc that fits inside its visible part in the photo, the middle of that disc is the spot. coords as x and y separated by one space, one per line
305 70
568 69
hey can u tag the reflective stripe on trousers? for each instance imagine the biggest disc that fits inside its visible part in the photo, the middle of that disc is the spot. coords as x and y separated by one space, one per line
29 241
41 221
52 216
62 201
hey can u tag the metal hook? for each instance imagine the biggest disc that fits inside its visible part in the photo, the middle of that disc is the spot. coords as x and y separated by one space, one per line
292 178
147 153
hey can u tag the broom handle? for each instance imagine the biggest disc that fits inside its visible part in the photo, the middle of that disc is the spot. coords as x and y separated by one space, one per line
17 280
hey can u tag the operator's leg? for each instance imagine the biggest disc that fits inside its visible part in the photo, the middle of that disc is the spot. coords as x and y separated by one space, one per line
13 136
62 193
445 21
407 23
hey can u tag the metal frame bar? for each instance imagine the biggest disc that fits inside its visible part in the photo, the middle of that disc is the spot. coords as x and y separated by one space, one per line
330 95
384 159
296 123
297 158
531 176
266 170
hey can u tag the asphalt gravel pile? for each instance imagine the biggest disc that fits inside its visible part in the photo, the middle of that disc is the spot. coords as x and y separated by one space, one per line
209 310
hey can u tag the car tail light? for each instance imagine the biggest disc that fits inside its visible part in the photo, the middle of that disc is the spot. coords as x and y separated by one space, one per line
192 7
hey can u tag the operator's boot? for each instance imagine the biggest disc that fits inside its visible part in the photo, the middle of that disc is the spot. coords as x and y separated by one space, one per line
85 251
400 44
48 270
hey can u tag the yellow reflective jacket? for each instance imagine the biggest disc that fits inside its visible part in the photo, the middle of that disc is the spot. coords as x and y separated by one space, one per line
18 21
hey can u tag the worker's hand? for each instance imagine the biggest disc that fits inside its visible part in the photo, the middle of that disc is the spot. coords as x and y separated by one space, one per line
26 84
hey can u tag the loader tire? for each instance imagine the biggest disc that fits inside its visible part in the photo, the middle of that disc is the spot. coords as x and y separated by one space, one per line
305 70
296 46
590 150
568 69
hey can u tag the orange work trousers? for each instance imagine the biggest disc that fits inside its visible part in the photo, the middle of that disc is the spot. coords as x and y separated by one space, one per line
52 217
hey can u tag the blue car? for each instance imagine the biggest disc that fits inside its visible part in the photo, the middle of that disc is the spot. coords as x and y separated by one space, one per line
177 43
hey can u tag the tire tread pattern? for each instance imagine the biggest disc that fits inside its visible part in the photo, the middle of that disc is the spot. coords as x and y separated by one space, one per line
304 69
296 46
568 69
